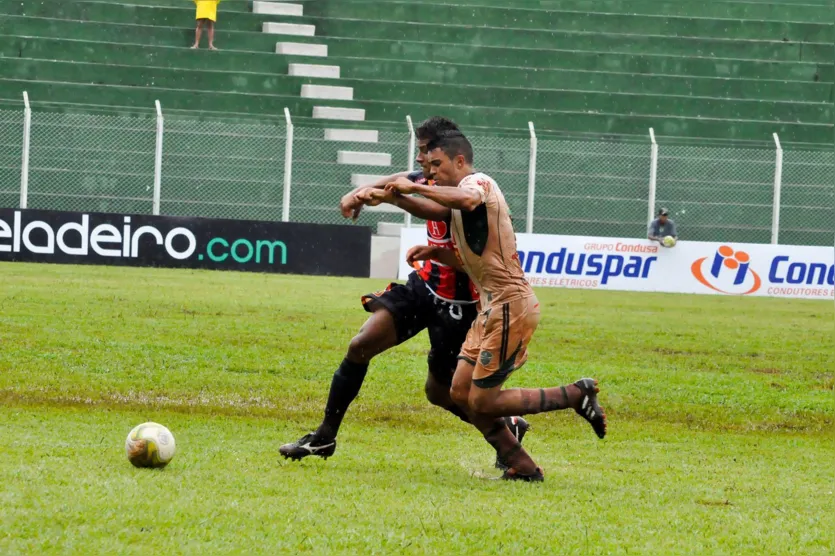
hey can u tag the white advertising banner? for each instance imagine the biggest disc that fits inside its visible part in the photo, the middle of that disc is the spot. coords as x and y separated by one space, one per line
689 267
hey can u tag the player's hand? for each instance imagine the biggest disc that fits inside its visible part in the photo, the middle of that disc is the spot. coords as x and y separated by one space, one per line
373 197
420 253
379 196
401 186
350 206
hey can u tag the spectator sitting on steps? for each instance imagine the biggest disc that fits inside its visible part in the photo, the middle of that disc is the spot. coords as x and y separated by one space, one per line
206 16
662 227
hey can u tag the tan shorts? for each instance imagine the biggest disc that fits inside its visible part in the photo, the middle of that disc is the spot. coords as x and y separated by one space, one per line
497 343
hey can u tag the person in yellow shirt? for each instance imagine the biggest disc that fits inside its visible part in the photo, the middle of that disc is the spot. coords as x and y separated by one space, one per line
206 17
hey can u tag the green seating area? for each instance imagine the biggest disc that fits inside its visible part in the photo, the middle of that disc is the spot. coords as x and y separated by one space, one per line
728 70
699 74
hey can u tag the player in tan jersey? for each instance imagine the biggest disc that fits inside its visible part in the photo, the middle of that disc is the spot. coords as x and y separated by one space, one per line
486 243
496 345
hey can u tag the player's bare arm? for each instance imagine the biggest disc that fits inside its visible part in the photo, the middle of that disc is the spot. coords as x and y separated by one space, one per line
350 205
428 252
466 199
416 206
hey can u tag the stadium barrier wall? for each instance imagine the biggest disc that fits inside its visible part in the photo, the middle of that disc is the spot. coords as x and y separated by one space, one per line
46 236
694 267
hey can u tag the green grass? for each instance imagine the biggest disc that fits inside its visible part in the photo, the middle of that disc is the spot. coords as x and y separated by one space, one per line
721 424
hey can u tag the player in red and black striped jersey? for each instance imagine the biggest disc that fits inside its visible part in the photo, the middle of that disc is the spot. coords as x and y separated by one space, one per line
436 298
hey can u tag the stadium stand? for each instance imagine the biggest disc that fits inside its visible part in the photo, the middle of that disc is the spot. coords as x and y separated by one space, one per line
477 65
351 70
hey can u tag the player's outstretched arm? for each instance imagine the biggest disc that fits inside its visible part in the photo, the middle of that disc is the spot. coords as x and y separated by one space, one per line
421 208
460 198
350 205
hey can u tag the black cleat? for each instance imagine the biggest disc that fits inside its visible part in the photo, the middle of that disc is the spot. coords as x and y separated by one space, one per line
518 427
309 445
589 409
513 475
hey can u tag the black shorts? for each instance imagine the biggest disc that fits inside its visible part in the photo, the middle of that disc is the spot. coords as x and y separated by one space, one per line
414 309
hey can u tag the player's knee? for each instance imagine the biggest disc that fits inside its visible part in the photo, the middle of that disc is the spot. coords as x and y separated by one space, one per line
480 404
362 348
460 394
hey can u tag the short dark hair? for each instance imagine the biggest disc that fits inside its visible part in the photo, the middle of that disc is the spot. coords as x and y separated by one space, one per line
453 143
432 128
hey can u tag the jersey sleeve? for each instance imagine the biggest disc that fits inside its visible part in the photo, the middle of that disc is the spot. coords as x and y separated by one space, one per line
652 229
479 184
673 229
415 176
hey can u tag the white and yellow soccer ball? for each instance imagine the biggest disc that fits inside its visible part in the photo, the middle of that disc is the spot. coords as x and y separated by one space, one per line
150 445
669 241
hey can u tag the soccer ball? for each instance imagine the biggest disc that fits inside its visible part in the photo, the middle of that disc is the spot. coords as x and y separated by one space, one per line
150 445
669 241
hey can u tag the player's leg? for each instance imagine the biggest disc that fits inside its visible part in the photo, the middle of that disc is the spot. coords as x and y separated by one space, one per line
377 335
448 329
391 322
510 327
437 392
496 432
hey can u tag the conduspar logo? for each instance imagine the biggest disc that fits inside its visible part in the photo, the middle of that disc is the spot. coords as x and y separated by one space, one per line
728 272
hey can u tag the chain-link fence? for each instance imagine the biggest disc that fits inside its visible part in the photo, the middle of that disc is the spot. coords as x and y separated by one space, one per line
91 162
234 167
592 188
507 160
717 193
11 143
222 168
326 167
807 207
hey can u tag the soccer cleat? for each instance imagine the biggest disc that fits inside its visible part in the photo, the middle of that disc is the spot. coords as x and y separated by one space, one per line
589 409
518 427
513 475
309 445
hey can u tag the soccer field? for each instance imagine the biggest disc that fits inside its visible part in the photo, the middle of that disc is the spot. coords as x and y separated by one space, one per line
720 424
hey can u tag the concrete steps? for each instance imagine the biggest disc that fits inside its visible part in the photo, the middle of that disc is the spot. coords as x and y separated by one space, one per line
326 92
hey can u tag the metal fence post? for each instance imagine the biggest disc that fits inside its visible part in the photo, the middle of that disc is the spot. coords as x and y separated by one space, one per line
158 160
531 180
24 166
411 162
288 168
778 187
653 176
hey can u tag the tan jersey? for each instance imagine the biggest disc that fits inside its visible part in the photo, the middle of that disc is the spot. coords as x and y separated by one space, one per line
486 244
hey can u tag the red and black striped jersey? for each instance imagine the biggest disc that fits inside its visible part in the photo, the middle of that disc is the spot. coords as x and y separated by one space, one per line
442 280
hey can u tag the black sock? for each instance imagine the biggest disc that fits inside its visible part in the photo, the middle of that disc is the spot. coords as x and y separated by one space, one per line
345 385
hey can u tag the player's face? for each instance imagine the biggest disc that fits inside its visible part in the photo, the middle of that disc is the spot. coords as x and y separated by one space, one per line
662 219
423 158
443 169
